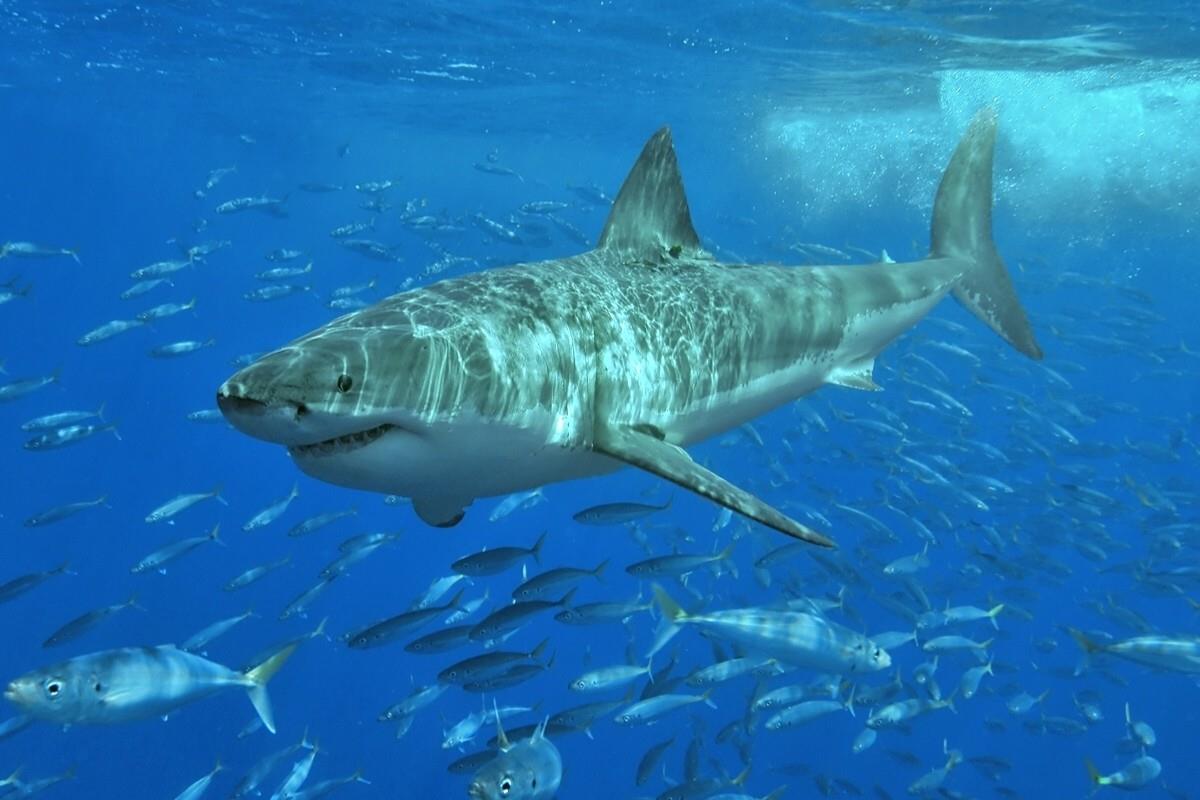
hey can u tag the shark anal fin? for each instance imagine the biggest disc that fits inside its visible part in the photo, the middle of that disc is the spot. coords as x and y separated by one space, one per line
674 464
857 377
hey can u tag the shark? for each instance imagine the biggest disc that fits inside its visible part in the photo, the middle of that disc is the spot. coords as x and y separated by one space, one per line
515 377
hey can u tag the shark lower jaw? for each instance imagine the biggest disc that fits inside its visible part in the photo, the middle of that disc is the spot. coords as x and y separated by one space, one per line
343 444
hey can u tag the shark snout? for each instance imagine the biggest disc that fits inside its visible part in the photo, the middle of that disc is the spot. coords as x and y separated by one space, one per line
277 421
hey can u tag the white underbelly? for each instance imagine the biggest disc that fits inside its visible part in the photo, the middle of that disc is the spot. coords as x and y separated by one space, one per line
459 461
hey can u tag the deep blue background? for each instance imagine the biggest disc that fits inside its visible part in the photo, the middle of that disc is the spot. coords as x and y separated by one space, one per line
827 125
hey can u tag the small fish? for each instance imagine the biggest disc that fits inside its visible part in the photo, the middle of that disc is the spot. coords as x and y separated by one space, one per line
284 254
271 205
164 310
255 574
160 269
647 711
550 580
24 386
24 583
86 621
352 229
199 640
276 291
175 349
183 502
314 524
199 786
284 273
497 560
134 683
1023 702
33 250
66 511
617 513
514 502
71 434
164 555
49 422
272 512
143 287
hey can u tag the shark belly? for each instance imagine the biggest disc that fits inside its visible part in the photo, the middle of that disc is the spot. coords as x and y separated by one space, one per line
446 465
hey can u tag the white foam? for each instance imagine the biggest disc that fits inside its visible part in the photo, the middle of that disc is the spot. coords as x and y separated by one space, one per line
1091 146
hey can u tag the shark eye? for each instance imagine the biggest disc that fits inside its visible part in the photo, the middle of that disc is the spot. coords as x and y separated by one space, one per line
345 383
53 688
505 786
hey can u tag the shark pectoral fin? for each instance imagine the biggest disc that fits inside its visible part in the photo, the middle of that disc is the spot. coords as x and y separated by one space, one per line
440 512
665 460
858 376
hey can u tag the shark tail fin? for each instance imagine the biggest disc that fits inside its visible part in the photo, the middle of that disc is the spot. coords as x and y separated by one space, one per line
259 676
962 229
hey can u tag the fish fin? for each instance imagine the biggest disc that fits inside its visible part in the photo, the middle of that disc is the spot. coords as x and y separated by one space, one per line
995 612
645 451
502 742
439 512
858 376
779 793
650 216
598 572
962 230
259 675
536 550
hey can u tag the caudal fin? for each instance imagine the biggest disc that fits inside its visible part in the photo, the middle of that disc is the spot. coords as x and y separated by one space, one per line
258 687
962 229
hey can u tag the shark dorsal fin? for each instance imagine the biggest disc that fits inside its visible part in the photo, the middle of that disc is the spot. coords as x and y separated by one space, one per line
650 216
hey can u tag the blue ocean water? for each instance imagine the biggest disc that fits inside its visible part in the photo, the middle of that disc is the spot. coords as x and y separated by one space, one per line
799 127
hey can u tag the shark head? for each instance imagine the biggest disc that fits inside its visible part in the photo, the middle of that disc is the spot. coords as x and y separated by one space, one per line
325 398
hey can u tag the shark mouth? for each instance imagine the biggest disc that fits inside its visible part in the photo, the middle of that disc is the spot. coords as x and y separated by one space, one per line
345 443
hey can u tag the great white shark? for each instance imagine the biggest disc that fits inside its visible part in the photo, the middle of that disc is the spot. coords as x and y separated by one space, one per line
519 376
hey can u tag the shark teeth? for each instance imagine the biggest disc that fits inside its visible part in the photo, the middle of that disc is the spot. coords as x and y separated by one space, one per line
344 443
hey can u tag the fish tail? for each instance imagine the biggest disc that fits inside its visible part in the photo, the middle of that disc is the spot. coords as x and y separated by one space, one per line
536 653
671 610
1093 773
215 535
598 572
536 550
1088 646
706 698
14 779
216 493
778 794
100 412
995 612
258 677
962 229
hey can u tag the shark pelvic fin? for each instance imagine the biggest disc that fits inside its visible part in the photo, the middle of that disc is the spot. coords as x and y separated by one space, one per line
661 458
439 512
858 376
650 217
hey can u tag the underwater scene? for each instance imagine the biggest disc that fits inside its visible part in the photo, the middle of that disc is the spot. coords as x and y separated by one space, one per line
599 400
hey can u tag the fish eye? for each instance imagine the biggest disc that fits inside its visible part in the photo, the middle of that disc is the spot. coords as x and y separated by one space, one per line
345 383
505 786
53 688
